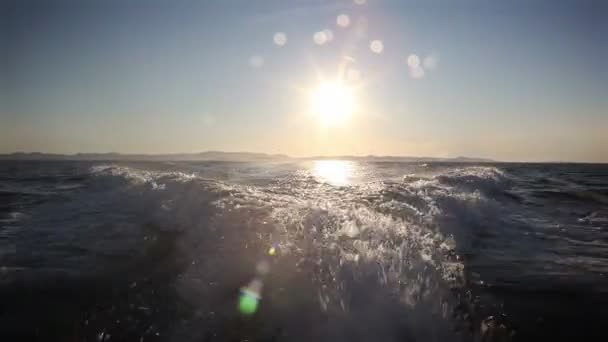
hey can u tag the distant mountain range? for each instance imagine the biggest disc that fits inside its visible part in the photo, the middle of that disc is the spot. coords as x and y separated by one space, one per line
406 158
209 155
216 155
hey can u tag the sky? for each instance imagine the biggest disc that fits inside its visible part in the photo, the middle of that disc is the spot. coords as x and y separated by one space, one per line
509 80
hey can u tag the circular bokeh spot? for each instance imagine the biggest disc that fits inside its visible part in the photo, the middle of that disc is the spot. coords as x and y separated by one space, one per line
280 39
413 61
248 303
376 46
320 38
343 20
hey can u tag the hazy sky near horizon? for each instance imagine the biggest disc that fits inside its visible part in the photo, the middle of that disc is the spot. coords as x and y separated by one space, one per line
509 80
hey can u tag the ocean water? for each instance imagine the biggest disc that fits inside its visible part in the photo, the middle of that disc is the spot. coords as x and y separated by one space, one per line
321 250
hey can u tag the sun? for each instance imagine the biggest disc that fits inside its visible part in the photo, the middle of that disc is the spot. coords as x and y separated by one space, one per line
333 102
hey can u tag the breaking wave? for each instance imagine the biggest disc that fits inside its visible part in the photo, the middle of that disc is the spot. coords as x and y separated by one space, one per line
397 252
391 247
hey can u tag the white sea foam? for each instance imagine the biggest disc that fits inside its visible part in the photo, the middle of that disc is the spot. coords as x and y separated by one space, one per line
396 234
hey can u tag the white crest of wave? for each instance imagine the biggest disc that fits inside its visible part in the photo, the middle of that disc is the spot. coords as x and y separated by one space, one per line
156 179
385 229
388 243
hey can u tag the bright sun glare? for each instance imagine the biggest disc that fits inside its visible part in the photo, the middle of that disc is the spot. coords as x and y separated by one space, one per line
334 172
333 102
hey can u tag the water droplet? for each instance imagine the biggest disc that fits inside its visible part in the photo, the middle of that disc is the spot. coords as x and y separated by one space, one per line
320 38
376 46
280 39
343 20
413 61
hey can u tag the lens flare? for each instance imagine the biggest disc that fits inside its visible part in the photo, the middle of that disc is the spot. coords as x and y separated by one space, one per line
248 303
272 251
320 38
262 267
376 46
413 61
343 20
250 297
280 39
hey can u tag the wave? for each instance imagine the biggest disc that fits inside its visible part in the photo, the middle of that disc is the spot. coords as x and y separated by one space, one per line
401 240
413 255
13 217
384 211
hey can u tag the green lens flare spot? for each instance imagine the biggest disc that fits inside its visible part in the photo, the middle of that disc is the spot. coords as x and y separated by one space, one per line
248 304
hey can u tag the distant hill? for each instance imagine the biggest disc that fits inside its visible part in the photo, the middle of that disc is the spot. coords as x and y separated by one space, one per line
409 159
220 156
209 155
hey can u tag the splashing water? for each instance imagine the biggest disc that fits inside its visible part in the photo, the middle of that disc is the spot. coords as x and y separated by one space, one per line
308 252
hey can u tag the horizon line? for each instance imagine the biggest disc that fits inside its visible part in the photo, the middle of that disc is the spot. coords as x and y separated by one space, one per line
287 156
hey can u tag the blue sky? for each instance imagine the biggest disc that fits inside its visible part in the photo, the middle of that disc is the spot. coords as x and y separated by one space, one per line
513 80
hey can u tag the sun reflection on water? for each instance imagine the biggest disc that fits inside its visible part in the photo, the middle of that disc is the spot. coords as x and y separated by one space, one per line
334 172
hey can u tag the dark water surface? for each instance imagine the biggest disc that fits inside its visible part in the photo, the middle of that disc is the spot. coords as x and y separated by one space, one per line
98 251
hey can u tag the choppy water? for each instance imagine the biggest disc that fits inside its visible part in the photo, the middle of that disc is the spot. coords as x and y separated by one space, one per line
93 251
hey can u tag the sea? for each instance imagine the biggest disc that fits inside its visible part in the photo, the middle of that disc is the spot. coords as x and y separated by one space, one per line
303 250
